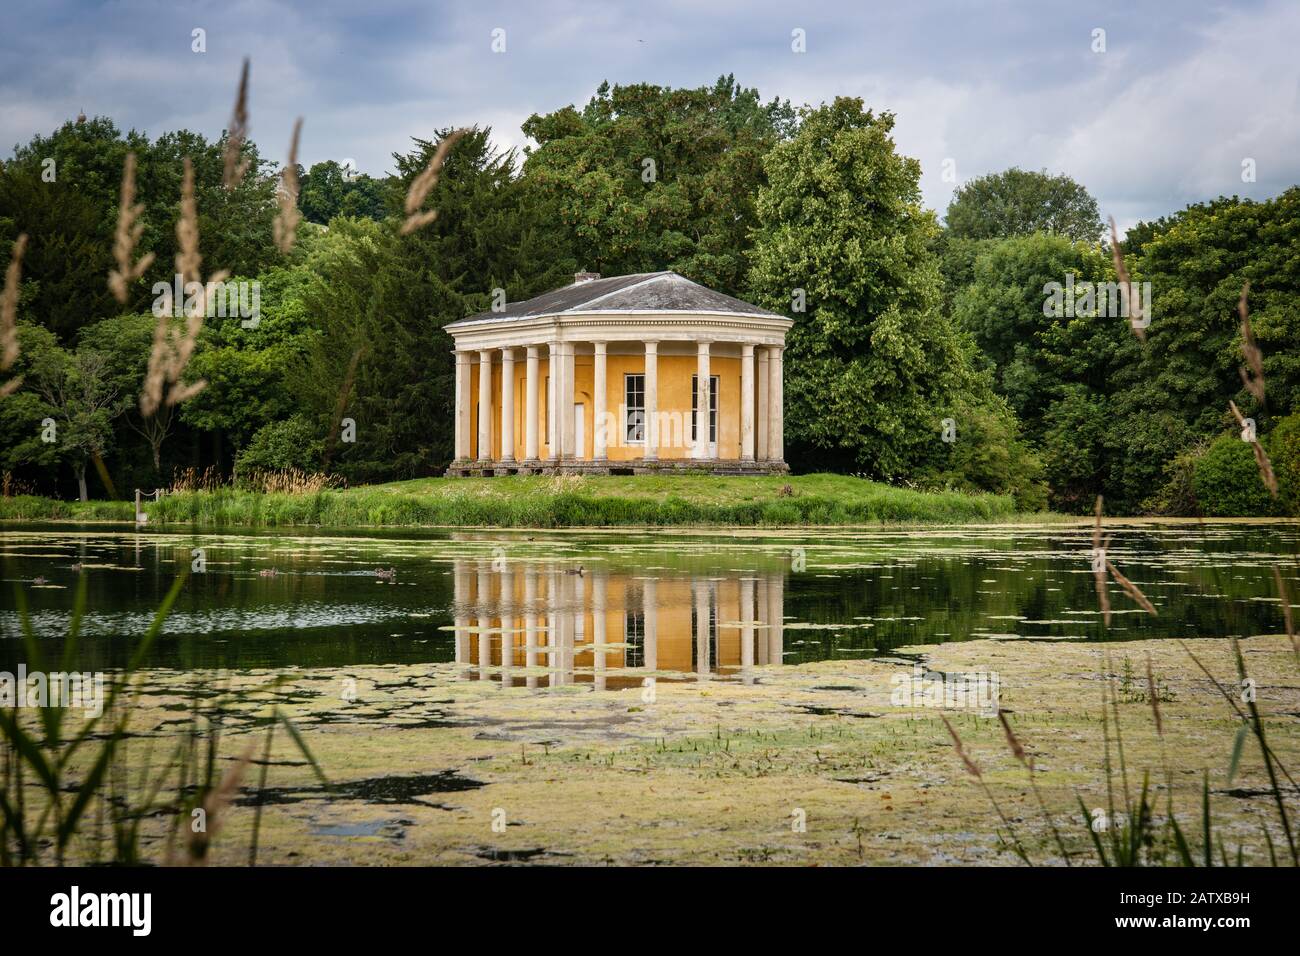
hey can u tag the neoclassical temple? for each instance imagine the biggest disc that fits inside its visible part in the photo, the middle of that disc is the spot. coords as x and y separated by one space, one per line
622 375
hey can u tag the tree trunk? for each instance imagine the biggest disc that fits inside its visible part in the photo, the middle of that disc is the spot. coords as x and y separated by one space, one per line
80 469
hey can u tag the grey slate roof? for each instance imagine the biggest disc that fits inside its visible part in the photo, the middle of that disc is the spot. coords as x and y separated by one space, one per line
646 291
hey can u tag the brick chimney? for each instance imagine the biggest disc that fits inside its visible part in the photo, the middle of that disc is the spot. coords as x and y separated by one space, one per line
580 277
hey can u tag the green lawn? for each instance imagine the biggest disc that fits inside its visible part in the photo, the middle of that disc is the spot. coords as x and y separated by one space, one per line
544 502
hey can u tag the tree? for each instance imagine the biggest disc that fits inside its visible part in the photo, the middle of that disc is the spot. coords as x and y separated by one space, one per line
1018 202
326 191
1175 392
377 303
78 389
126 342
646 178
72 217
1035 344
873 366
68 254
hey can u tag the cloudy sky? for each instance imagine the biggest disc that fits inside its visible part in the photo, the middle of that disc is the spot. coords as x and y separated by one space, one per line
1183 93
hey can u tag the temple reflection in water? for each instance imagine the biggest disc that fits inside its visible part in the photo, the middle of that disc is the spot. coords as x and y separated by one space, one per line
545 624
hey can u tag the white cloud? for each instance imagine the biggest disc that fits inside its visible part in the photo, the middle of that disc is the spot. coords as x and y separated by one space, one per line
1161 119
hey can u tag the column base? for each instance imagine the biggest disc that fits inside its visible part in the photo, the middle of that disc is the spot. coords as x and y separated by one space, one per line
634 466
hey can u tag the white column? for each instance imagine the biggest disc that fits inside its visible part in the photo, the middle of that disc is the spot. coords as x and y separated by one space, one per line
776 414
568 436
485 405
762 643
600 439
530 405
702 391
508 404
463 400
761 432
552 374
747 403
651 401
650 612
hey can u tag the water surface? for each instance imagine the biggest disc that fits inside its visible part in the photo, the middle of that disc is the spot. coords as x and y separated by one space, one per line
594 606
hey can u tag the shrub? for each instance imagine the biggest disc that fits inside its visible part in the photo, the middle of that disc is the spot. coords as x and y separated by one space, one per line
1177 497
1284 449
1227 481
280 446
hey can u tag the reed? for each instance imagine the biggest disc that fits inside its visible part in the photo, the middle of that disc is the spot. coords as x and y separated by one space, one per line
285 227
1252 374
1262 462
235 164
127 236
173 346
974 771
1132 303
61 784
423 184
9 347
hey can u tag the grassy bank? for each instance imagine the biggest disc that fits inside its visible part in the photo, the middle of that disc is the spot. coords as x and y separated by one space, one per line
538 502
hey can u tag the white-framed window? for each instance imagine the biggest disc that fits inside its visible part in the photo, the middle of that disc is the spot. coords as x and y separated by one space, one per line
634 402
713 406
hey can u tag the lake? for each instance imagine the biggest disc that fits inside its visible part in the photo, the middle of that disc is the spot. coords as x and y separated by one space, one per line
538 609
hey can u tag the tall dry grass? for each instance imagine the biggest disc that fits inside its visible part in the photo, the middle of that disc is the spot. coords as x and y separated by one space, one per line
1250 350
291 481
1262 462
127 236
9 315
1132 303
235 164
174 344
423 184
285 227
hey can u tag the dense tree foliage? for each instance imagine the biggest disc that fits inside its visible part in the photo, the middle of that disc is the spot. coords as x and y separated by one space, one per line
1018 202
330 190
874 366
71 218
988 353
645 178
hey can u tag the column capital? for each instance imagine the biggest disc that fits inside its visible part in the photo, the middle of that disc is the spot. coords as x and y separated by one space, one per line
534 351
747 349
652 345
598 346
702 347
